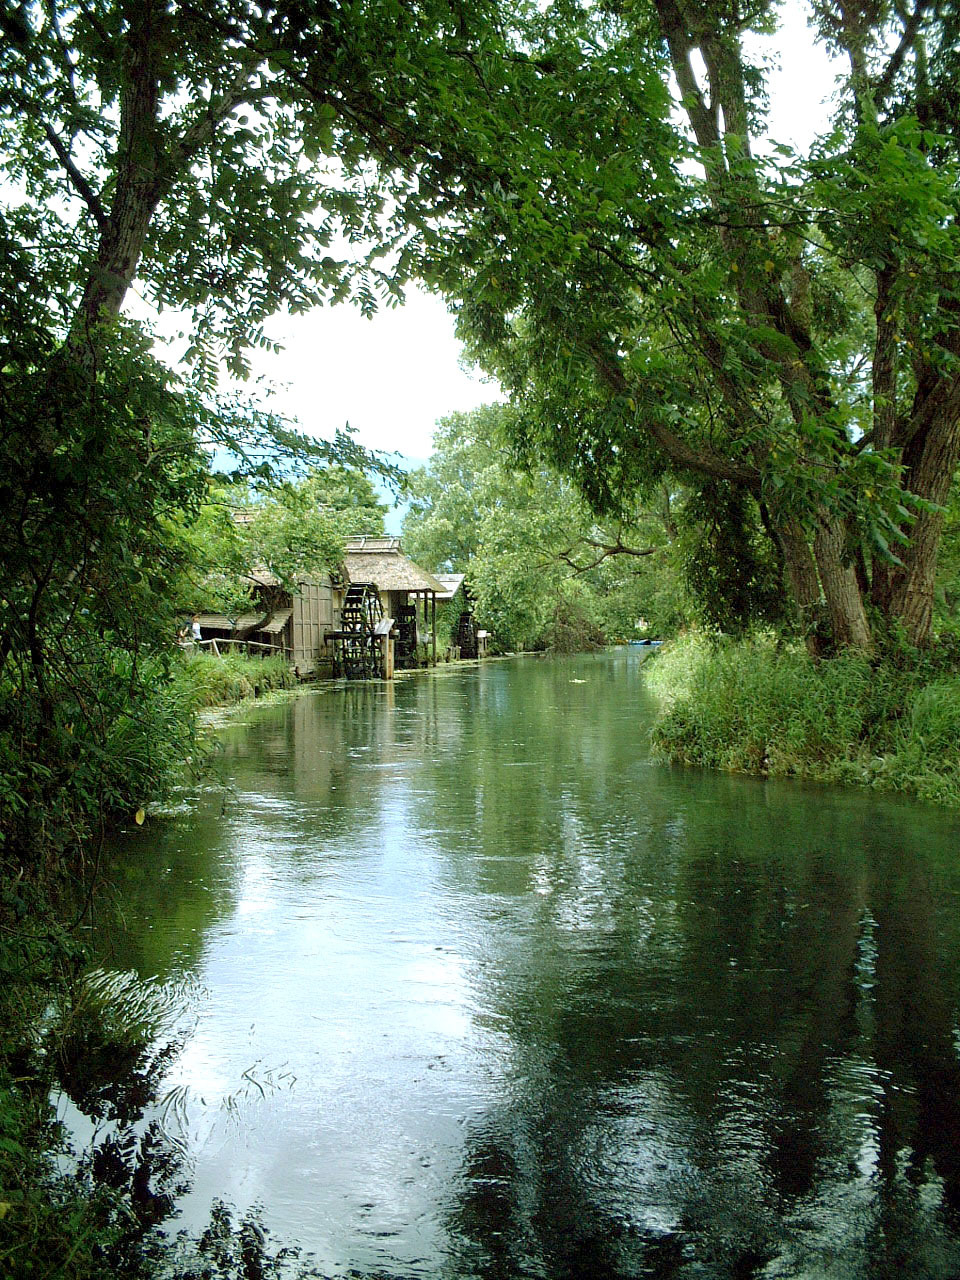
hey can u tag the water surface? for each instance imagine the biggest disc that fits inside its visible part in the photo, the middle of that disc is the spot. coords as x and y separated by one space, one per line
487 992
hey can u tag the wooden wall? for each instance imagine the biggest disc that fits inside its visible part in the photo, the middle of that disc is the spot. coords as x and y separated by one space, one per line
316 610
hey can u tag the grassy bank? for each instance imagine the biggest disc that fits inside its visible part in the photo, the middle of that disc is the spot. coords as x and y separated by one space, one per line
210 681
764 707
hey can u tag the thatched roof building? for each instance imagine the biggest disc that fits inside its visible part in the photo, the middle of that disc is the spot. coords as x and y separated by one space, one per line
382 562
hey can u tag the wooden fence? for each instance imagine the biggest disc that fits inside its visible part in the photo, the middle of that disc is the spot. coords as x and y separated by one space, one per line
215 646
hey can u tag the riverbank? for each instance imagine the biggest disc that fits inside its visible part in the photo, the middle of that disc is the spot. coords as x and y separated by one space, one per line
212 681
762 706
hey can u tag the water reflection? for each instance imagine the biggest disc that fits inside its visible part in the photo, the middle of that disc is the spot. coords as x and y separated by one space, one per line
492 994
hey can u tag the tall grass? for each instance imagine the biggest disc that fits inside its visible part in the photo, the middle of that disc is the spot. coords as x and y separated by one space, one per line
765 707
212 681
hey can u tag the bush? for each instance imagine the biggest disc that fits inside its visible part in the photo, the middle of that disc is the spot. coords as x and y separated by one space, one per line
765 707
572 631
108 733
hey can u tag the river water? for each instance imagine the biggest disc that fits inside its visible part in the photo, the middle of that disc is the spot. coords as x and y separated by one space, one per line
484 991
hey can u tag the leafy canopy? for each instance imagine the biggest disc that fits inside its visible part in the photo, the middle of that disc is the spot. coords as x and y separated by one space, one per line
664 289
537 560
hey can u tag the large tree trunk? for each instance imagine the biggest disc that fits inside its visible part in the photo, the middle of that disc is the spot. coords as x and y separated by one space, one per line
930 465
139 177
838 578
800 571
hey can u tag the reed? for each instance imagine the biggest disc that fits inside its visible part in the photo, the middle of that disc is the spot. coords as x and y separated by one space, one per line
221 681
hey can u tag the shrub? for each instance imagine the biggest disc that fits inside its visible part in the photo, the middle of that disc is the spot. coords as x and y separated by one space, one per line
571 630
114 735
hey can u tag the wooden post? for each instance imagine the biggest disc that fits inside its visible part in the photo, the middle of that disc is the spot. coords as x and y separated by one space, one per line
386 648
433 623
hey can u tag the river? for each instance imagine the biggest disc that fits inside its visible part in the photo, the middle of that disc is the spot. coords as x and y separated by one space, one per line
482 990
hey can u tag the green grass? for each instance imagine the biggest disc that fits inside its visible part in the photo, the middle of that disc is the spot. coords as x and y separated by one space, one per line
764 707
220 682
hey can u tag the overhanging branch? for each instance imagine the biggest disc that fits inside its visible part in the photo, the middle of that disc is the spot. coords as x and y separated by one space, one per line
79 182
606 549
703 460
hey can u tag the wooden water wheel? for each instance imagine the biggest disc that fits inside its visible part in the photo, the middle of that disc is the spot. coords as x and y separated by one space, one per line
357 651
405 635
467 635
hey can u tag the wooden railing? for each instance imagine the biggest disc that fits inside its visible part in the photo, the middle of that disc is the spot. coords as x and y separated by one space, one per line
215 646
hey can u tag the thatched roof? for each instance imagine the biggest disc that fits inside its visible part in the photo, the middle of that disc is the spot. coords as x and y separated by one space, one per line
380 561
376 560
389 572
276 622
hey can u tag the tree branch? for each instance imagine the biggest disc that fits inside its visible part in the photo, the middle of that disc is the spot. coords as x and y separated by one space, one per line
884 83
201 132
606 551
884 362
83 188
64 48
703 460
703 117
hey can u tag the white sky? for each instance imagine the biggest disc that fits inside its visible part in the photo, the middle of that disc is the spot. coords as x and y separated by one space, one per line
391 377
803 80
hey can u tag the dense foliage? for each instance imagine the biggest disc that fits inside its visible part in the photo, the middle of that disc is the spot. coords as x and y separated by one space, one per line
664 287
214 157
279 533
544 571
766 708
83 581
